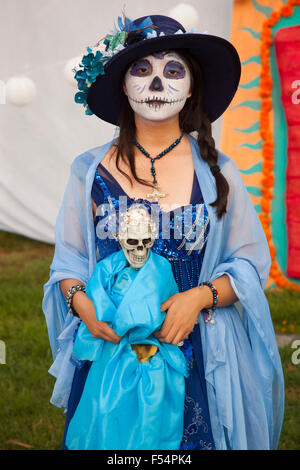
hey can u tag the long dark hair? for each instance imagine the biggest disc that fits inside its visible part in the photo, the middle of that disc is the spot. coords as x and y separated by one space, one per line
192 117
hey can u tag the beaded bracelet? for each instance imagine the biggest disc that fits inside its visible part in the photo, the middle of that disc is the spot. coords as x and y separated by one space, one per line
70 294
210 311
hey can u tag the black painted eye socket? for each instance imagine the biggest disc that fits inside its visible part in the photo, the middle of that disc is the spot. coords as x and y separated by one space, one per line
174 69
141 68
146 241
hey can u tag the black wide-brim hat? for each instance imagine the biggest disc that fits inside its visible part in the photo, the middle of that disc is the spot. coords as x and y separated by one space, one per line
218 59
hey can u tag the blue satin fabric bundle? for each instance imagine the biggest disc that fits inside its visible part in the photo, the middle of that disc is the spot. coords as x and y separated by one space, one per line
127 404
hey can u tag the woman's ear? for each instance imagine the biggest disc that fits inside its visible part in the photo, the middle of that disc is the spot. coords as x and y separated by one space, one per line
124 88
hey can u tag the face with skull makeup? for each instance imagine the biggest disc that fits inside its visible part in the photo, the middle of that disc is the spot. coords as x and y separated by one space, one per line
158 85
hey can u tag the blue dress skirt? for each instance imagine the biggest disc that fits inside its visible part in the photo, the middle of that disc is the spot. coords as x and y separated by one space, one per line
182 240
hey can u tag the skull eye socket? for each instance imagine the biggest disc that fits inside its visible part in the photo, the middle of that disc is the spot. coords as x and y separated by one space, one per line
132 241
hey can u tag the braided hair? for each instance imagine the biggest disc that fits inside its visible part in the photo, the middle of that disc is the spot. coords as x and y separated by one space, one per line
192 118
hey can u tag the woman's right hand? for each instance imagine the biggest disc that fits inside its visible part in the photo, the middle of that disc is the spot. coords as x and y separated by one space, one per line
84 306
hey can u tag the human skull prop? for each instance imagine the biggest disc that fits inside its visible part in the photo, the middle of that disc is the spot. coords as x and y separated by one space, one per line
136 235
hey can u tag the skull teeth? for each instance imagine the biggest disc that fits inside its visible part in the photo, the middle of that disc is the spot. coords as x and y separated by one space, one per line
138 258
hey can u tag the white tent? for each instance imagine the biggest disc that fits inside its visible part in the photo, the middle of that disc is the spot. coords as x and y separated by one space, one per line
39 140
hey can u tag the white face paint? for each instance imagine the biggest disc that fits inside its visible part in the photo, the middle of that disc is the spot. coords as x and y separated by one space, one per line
158 85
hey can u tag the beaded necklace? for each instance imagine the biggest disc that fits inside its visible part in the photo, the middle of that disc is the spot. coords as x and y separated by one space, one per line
156 195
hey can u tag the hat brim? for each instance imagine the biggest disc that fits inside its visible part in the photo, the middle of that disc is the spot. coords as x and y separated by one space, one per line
217 57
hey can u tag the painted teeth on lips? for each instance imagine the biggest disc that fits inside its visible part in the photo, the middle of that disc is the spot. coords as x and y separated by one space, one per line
155 100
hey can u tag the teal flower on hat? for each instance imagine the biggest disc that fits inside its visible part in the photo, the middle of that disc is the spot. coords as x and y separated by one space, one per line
92 64
92 67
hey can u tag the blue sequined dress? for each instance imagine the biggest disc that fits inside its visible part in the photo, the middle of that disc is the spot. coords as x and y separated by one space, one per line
185 250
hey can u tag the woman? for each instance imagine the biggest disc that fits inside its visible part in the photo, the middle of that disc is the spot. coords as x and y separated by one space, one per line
159 84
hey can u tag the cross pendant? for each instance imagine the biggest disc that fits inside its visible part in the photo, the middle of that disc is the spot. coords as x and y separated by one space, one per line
156 195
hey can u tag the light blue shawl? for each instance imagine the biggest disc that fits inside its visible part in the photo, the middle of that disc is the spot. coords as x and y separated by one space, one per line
242 365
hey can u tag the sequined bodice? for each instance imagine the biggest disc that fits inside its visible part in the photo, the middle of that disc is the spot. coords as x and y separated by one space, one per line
182 235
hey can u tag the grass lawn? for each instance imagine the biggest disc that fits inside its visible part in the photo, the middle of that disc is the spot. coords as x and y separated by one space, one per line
27 419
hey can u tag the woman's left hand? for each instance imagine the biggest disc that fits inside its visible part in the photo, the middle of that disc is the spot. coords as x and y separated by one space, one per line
183 309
